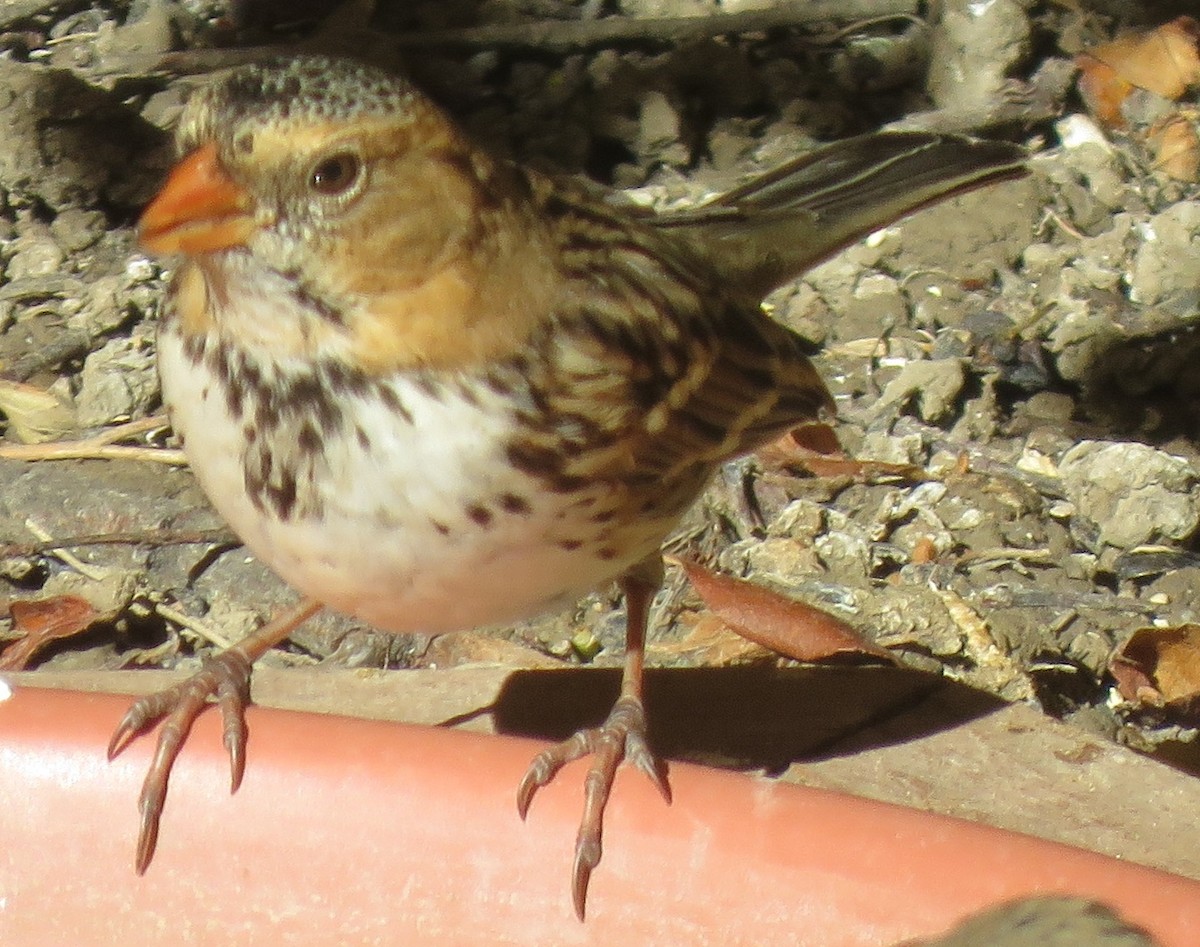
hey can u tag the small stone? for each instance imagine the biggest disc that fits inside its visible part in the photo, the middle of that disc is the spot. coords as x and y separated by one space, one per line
728 144
935 384
140 270
77 229
976 46
37 253
1167 262
1050 406
785 559
892 449
105 305
660 130
936 301
118 382
844 551
1130 493
585 644
800 519
1035 462
1083 332
1045 257
560 648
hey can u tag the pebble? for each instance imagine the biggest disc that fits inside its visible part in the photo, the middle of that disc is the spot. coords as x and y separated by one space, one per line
935 385
118 382
36 253
1130 494
1167 262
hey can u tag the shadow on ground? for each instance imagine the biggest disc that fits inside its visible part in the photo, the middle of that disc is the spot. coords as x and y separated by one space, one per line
753 717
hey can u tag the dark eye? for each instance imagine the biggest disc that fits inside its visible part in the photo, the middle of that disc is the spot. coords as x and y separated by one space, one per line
334 175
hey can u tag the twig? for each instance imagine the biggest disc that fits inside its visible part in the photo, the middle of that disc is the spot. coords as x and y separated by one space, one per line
555 35
100 446
569 35
832 39
193 625
993 558
84 450
1050 216
146 537
95 573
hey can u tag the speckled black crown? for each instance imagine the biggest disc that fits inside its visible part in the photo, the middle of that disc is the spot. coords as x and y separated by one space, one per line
276 91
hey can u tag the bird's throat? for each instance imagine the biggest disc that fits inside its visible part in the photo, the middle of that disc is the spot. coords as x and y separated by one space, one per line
461 315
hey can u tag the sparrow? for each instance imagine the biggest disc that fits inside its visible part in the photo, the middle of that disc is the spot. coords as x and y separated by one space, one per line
437 390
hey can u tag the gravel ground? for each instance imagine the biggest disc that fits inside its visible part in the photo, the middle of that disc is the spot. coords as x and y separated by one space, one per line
1027 348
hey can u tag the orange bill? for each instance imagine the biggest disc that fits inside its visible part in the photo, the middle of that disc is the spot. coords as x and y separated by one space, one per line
198 210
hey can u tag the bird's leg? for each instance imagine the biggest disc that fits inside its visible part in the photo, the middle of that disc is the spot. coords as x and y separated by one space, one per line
621 737
225 677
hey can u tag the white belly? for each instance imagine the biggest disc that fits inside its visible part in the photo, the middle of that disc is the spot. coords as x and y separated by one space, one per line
398 540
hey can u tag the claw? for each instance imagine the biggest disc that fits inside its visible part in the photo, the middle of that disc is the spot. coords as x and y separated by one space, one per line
126 730
138 717
545 766
640 755
225 677
621 737
586 859
147 837
233 695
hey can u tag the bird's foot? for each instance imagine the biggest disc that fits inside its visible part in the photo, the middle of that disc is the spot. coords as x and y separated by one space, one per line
225 677
621 737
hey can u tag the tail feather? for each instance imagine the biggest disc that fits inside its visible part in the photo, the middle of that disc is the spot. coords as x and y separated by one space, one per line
778 225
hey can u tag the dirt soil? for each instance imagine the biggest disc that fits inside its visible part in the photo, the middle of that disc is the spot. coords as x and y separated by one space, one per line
1027 347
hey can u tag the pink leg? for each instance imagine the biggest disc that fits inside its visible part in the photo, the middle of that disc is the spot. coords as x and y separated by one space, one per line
621 737
226 677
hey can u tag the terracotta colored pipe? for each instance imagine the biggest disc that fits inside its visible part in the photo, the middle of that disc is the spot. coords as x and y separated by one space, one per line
353 832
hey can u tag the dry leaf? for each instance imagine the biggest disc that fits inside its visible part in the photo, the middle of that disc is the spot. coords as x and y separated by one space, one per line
35 416
1160 667
1165 61
814 449
793 629
711 643
1176 147
42 621
818 438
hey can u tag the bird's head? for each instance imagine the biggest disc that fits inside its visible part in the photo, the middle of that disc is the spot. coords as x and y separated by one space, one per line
352 185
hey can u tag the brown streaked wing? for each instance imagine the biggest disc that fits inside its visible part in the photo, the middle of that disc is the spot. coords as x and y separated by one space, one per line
673 371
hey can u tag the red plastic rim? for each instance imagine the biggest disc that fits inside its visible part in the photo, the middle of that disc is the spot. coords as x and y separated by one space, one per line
357 832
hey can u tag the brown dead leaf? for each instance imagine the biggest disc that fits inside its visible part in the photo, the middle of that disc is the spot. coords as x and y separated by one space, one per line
814 449
1176 147
818 438
711 643
1165 61
1160 667
1103 90
42 621
34 416
788 627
